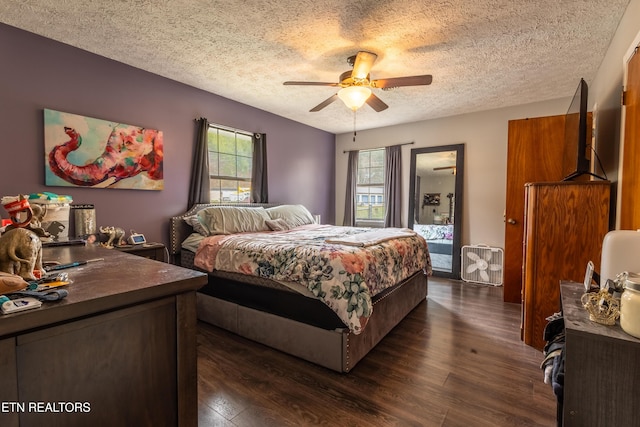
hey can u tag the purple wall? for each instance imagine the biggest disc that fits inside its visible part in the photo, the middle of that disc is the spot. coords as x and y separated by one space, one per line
38 73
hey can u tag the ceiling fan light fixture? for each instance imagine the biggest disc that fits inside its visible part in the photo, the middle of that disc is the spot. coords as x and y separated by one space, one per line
354 97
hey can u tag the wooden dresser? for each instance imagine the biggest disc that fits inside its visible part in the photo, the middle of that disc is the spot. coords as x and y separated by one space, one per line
120 349
565 223
601 379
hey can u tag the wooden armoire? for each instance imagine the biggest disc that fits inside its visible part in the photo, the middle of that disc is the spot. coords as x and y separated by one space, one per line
565 223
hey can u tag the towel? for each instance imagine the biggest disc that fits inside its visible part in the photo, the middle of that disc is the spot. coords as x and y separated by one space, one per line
373 237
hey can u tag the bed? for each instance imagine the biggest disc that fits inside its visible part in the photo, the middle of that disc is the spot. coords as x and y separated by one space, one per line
267 300
439 237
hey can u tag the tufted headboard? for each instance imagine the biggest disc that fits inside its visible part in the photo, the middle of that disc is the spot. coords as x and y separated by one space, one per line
180 230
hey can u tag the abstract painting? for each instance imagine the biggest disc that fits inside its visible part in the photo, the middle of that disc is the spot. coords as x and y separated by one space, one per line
87 152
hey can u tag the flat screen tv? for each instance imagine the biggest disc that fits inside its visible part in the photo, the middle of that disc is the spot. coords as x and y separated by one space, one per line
576 159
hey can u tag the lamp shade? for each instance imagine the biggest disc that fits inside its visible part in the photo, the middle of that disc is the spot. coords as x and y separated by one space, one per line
354 96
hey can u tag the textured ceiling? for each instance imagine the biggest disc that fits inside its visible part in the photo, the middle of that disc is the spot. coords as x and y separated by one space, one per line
483 54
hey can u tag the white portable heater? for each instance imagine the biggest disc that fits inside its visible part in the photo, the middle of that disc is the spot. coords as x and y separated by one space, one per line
620 252
482 264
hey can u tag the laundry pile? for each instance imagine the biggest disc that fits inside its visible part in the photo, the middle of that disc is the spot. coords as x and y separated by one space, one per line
553 363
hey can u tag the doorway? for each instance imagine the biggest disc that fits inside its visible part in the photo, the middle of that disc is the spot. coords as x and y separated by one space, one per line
435 205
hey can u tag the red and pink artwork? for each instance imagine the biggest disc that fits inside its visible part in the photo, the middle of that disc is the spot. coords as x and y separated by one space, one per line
87 152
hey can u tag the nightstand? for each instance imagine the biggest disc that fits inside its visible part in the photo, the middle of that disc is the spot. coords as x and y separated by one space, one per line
156 251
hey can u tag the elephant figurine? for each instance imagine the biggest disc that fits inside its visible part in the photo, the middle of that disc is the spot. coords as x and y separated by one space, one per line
116 236
129 151
21 253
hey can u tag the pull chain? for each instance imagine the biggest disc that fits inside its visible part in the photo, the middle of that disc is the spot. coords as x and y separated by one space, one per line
354 125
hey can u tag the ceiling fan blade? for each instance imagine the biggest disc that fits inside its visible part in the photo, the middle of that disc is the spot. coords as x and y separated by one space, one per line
376 103
310 84
324 103
362 65
443 168
402 81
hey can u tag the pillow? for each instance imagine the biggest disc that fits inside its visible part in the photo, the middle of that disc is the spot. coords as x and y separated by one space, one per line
278 224
231 219
197 226
294 215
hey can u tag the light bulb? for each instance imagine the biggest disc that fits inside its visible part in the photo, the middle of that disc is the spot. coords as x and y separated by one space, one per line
354 96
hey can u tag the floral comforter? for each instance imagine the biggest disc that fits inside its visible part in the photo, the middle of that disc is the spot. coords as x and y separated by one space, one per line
343 277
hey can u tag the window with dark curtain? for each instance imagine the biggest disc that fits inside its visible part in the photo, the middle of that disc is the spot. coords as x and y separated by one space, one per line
369 197
229 166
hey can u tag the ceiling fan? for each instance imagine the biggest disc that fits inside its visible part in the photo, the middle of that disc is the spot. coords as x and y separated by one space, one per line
356 84
441 168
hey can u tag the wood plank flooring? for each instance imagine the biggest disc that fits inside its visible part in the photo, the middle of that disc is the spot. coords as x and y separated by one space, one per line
456 360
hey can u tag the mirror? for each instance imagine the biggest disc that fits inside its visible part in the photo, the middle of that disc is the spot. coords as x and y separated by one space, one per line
435 205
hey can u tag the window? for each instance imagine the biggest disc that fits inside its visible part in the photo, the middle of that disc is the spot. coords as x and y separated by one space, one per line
370 187
230 164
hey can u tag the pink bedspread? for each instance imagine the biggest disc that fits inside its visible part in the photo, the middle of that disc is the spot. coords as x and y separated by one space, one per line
343 277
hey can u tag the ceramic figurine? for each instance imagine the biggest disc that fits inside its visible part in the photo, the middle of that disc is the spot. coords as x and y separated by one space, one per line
21 253
116 236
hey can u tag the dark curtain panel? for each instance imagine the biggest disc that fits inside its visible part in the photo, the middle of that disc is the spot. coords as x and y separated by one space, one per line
350 195
393 186
199 191
259 187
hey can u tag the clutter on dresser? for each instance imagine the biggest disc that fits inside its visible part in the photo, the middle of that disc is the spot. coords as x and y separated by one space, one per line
18 294
23 214
46 214
35 220
55 213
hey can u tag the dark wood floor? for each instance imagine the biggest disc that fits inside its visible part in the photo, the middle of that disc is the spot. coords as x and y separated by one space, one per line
456 360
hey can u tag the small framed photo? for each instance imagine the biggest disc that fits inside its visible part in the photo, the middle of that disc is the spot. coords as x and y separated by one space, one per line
588 276
431 199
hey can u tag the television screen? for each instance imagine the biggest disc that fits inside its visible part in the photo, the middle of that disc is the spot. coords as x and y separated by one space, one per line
576 158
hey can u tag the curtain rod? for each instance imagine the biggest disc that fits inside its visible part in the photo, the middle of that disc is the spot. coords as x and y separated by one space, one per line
362 149
227 128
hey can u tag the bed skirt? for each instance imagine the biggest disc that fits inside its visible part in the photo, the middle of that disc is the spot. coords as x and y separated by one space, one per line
338 349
